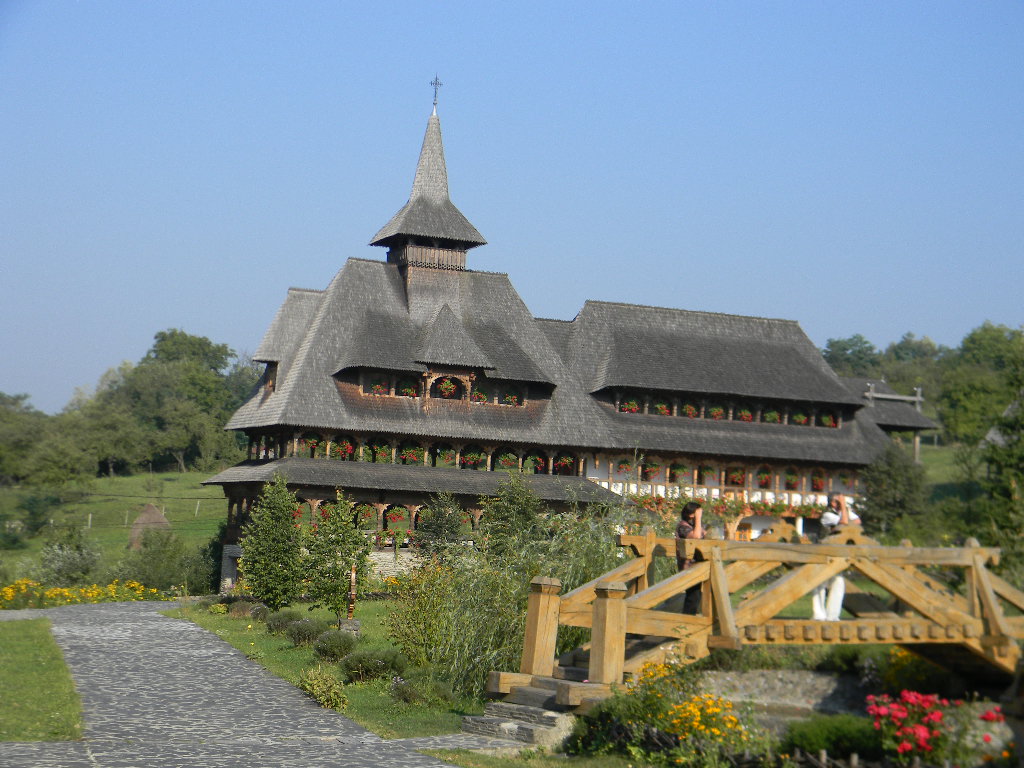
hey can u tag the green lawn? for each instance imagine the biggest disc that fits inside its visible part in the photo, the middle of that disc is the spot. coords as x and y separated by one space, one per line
39 701
194 511
370 704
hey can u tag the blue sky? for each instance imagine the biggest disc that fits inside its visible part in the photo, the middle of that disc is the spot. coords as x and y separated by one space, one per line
857 167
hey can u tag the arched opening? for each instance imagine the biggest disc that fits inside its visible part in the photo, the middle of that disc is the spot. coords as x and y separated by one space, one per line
506 459
535 463
442 455
622 467
407 387
819 480
764 476
650 470
736 476
343 448
512 396
447 388
377 451
479 394
679 473
308 444
473 457
564 464
630 403
411 454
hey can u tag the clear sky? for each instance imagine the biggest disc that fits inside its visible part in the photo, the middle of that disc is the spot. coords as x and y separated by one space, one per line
857 167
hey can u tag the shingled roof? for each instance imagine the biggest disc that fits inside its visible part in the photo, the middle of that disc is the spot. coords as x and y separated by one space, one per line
356 476
430 212
887 414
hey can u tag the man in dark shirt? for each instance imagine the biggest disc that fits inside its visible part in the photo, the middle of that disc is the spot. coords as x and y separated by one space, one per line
689 528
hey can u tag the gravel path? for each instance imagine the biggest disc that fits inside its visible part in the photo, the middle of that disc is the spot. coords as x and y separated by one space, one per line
159 693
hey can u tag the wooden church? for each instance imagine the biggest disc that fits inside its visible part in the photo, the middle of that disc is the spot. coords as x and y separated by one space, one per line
417 374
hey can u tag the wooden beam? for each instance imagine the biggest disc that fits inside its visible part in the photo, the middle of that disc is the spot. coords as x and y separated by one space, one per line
720 597
993 611
786 590
906 588
585 593
673 585
642 621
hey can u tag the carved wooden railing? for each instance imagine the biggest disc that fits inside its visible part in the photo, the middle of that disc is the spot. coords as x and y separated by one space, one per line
626 601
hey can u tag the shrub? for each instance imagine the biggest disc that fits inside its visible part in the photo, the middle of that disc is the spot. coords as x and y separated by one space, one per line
324 687
305 631
419 686
278 620
334 645
360 666
839 735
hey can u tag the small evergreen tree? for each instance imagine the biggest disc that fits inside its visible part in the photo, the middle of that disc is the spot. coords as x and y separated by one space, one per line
271 559
894 488
440 524
333 545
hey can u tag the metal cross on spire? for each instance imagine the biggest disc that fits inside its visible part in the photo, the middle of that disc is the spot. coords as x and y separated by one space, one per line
437 85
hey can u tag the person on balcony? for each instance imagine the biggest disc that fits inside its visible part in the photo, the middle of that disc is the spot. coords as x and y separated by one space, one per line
827 598
689 527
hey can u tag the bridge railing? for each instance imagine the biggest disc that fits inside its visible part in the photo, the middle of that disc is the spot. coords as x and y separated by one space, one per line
627 601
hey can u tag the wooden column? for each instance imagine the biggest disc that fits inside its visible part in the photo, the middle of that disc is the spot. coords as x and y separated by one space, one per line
541 627
608 637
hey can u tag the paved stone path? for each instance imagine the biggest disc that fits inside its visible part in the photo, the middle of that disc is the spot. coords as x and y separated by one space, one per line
163 693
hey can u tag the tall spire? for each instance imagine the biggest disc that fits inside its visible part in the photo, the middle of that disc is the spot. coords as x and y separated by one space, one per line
430 219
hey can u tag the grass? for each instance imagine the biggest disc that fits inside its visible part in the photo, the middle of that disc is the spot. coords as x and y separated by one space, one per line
193 510
370 704
39 701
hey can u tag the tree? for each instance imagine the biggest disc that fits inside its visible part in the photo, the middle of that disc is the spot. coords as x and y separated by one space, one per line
333 546
894 488
271 560
440 524
855 356
174 345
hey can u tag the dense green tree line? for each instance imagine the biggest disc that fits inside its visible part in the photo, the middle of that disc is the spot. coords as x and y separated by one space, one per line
966 388
167 410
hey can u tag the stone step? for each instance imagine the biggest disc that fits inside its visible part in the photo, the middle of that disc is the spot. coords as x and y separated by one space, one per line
530 725
543 698
527 714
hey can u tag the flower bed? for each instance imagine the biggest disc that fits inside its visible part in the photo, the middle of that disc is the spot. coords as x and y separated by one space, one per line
25 593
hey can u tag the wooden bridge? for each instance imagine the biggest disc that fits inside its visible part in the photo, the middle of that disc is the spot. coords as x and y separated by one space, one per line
634 620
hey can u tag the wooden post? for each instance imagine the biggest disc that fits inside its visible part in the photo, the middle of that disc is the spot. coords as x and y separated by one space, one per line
541 627
608 638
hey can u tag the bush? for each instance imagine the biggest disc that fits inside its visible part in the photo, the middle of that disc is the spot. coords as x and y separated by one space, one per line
279 620
322 685
334 645
305 631
360 666
839 735
419 686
